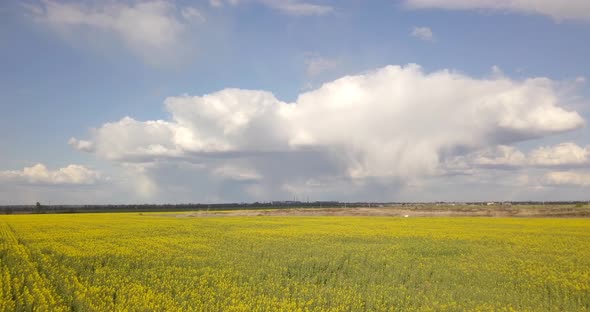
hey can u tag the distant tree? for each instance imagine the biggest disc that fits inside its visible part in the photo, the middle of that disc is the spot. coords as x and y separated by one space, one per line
38 207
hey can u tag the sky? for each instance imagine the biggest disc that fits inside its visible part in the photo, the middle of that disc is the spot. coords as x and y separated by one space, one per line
259 100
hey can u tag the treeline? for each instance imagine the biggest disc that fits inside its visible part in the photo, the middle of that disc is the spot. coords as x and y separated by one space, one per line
40 208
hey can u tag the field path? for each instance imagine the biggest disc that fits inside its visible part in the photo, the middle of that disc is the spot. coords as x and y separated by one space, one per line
405 211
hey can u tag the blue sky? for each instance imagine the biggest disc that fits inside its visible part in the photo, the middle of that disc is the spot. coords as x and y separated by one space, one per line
69 69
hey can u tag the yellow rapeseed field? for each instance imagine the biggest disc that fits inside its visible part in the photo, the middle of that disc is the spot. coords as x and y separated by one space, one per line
153 262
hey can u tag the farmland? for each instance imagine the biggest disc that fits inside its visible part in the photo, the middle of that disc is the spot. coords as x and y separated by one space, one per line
175 262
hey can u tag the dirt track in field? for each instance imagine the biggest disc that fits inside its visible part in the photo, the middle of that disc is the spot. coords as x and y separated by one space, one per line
410 211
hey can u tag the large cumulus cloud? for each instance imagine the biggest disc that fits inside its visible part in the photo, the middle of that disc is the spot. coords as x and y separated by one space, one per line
393 124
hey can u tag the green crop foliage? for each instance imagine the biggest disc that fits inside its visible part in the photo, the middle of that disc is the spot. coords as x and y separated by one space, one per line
158 262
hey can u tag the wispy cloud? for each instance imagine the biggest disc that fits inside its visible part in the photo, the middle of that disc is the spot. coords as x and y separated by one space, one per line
424 33
298 8
558 10
289 7
316 64
154 29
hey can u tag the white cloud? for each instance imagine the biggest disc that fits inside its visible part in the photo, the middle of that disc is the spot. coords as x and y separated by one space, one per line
81 145
567 178
565 154
379 125
387 125
562 155
289 7
135 140
423 33
152 29
228 121
39 174
558 10
500 156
